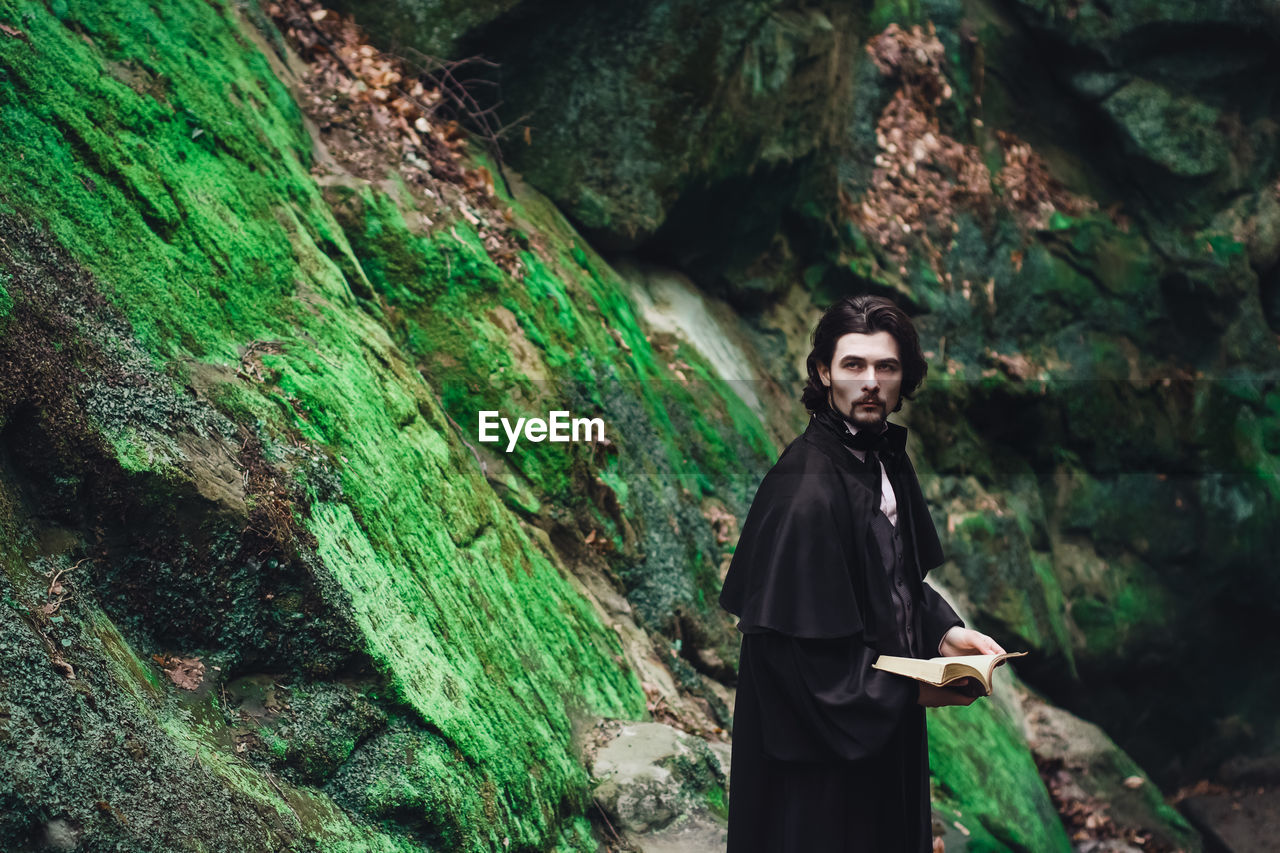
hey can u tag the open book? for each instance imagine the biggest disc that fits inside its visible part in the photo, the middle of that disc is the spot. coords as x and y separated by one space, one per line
943 671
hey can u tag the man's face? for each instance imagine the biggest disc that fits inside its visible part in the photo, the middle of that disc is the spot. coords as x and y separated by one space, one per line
864 378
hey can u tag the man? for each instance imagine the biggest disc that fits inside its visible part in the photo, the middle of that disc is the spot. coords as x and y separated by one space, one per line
829 754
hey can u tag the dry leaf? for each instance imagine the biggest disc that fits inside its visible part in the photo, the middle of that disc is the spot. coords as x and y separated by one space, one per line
186 673
378 112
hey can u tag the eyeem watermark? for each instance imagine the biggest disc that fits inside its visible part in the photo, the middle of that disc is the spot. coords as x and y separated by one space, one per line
557 427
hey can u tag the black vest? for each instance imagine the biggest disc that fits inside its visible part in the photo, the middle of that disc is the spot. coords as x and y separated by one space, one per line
901 638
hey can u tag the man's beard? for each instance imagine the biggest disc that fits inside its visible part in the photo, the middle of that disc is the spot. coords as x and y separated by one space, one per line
859 418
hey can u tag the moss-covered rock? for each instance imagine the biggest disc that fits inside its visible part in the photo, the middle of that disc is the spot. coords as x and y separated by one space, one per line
673 143
650 777
239 401
1094 781
985 782
1178 134
353 530
437 29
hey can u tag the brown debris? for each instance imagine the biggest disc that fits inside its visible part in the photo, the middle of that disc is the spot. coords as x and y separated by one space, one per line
656 705
377 113
723 523
1202 788
47 619
186 673
1016 366
915 56
277 503
923 176
1085 817
251 360
1028 188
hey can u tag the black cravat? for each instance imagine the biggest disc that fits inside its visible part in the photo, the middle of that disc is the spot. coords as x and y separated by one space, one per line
874 444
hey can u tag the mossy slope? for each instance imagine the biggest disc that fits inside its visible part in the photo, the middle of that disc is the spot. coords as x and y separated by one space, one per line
158 150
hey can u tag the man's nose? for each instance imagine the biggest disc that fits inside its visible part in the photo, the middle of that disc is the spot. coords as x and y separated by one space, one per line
867 376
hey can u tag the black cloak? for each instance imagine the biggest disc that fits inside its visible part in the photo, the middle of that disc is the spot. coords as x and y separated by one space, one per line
829 754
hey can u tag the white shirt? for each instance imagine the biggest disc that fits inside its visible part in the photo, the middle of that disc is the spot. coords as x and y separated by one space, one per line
888 500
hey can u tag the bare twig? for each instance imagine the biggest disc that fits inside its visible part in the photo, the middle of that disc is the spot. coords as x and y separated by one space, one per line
442 72
58 573
613 832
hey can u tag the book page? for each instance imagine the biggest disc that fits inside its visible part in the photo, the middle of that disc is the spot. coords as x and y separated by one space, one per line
973 666
942 670
917 668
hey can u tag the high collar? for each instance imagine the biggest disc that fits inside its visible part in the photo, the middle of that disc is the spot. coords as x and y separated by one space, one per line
829 442
892 439
895 436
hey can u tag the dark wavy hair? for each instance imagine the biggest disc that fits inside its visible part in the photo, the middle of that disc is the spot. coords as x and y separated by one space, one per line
864 315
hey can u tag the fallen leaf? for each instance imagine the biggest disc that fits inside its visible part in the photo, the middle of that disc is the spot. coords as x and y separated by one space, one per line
186 673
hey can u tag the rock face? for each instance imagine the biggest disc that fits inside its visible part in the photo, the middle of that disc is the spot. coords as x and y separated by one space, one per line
700 147
265 586
665 789
985 783
433 28
1079 200
1240 820
1104 795
250 550
171 315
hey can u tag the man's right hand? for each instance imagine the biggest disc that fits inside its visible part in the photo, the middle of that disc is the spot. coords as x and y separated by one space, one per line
938 697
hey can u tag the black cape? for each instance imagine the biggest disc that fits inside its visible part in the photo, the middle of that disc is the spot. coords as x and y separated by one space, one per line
829 754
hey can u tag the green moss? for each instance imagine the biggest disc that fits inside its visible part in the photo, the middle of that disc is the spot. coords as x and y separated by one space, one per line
490 692
566 337
610 477
6 303
1055 608
219 244
132 453
1177 132
904 13
718 802
278 746
105 161
135 769
1014 586
984 772
576 837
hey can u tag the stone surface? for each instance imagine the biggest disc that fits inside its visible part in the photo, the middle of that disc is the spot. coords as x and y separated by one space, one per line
652 775
1176 133
1241 821
1093 776
662 789
431 28
700 147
